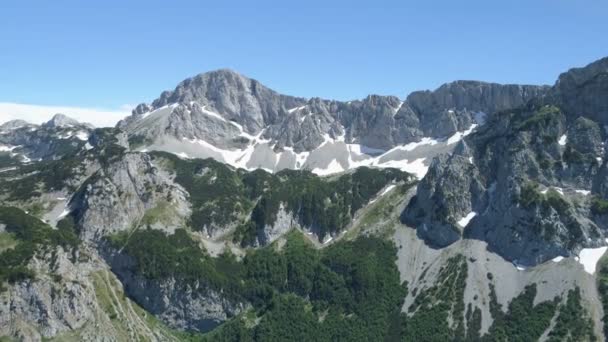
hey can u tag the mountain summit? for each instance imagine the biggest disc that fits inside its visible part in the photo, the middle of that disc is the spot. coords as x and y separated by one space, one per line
61 120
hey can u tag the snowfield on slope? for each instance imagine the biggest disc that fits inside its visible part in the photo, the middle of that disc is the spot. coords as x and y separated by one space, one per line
332 156
588 257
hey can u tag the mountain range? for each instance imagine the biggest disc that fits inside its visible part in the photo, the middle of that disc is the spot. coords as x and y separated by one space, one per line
224 210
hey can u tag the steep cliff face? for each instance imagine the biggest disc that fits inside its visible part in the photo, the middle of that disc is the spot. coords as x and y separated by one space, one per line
581 91
191 306
128 193
529 182
454 106
75 297
60 299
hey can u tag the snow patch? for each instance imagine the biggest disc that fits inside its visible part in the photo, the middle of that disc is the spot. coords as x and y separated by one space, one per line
63 214
398 108
415 167
588 257
295 109
463 222
583 192
558 189
557 259
8 169
459 135
7 148
386 190
563 140
412 146
333 167
84 136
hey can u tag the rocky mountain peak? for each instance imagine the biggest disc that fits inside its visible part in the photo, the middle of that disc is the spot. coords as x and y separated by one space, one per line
61 120
13 124
230 95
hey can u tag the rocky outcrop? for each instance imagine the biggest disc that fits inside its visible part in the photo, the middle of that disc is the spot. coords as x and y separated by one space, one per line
450 191
118 197
525 182
60 299
452 107
185 306
582 91
61 120
284 222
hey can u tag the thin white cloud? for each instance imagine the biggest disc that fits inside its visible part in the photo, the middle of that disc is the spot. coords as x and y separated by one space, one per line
38 114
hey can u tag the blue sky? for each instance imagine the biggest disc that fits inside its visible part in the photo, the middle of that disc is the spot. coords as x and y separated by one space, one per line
107 54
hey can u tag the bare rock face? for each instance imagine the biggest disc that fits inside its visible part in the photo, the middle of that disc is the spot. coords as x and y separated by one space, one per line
60 299
117 197
452 106
192 307
284 222
238 98
582 91
449 192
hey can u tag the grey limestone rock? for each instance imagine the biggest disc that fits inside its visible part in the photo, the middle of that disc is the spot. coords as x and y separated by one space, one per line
117 197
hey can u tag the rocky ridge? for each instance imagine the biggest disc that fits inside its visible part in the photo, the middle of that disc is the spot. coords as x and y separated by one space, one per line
531 178
236 120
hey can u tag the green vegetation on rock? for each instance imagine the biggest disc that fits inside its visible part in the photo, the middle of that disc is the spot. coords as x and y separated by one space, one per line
573 323
542 116
29 234
429 317
523 320
599 206
350 290
41 177
221 195
602 287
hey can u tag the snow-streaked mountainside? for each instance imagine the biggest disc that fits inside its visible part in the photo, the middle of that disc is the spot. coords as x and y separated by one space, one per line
225 211
238 121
